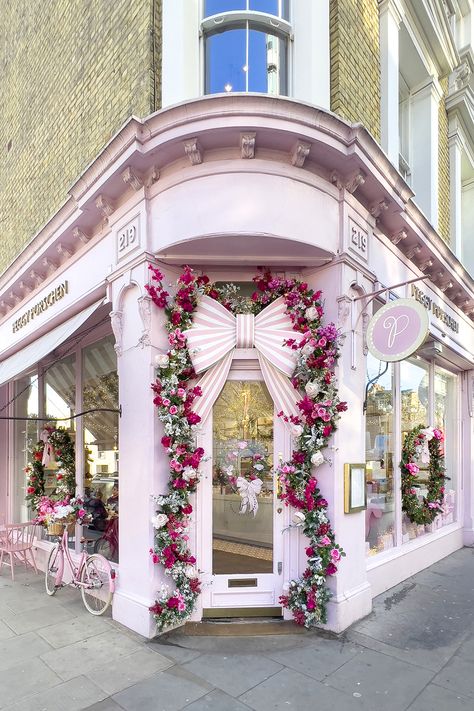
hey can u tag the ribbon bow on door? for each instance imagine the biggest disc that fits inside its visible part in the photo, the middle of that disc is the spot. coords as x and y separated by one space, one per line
249 490
215 334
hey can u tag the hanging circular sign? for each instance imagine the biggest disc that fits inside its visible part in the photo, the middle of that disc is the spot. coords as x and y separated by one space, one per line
397 330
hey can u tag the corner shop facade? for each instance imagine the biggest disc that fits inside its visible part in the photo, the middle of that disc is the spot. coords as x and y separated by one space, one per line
227 184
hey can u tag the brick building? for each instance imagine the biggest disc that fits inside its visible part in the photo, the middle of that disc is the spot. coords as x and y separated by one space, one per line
161 131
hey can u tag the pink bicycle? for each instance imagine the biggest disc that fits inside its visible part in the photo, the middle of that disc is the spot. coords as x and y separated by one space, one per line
93 575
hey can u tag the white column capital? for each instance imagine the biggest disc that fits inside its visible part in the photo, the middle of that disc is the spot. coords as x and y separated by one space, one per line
393 8
428 88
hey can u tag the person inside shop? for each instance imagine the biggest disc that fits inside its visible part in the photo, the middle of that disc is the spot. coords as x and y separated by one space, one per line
113 500
98 512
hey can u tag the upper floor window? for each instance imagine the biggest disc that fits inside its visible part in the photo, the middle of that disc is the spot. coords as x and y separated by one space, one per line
246 46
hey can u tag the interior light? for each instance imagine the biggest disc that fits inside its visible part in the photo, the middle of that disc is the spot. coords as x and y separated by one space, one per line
228 87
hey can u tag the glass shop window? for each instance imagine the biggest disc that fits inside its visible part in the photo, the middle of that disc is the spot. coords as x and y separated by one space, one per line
25 436
101 455
379 454
446 417
246 52
415 409
59 403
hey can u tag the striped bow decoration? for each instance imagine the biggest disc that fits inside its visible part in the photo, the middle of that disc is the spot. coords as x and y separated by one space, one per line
215 334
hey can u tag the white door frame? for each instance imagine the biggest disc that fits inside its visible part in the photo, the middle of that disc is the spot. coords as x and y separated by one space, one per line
216 594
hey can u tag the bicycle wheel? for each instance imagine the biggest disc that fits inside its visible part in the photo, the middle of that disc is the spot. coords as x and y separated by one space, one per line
97 593
54 562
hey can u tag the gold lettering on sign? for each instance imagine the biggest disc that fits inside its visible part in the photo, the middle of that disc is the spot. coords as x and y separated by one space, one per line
436 310
54 295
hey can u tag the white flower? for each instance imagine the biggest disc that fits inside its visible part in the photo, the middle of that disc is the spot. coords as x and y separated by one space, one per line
296 430
312 388
317 459
191 571
161 360
229 470
311 313
307 349
258 467
298 518
188 473
63 511
159 520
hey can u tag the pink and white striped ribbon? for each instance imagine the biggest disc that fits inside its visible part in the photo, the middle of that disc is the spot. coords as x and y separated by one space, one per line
216 332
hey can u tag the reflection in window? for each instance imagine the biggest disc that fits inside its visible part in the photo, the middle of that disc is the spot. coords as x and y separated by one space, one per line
242 448
100 390
446 418
25 436
60 391
246 59
380 513
415 398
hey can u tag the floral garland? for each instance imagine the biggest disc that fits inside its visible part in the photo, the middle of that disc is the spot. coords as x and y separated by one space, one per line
425 444
317 354
59 446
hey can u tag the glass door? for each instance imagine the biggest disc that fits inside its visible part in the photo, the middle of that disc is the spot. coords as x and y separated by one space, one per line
243 553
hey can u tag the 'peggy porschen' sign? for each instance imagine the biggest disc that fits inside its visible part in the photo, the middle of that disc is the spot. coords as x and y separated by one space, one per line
54 295
397 330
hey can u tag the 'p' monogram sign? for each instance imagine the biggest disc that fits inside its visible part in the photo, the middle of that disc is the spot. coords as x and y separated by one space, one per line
397 330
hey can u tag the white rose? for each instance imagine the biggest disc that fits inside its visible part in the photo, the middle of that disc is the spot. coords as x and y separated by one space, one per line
307 349
317 459
159 520
311 313
298 517
191 572
258 467
188 473
161 360
312 388
296 430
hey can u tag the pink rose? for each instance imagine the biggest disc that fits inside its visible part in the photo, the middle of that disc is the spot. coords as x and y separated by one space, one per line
324 541
166 402
173 410
412 468
335 555
182 393
81 513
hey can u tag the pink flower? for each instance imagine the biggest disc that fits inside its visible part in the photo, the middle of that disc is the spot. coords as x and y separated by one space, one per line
173 410
324 541
438 434
81 513
412 468
175 465
181 393
335 555
166 402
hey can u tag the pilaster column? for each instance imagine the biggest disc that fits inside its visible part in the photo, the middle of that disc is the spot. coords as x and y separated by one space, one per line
142 465
455 188
390 17
425 104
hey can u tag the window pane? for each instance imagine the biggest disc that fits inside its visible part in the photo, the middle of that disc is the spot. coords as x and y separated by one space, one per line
100 389
60 391
380 513
268 6
226 62
415 398
25 436
242 492
446 418
213 7
267 63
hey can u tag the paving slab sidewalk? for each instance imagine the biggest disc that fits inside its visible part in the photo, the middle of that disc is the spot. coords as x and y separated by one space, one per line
415 652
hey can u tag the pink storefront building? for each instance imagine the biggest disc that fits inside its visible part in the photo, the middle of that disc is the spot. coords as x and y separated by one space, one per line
230 185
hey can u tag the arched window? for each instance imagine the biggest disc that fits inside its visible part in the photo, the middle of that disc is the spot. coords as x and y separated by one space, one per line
246 46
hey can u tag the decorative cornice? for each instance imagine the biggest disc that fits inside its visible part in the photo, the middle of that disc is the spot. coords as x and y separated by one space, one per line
105 205
63 251
398 237
299 153
415 249
355 181
193 151
80 235
247 145
378 208
133 178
